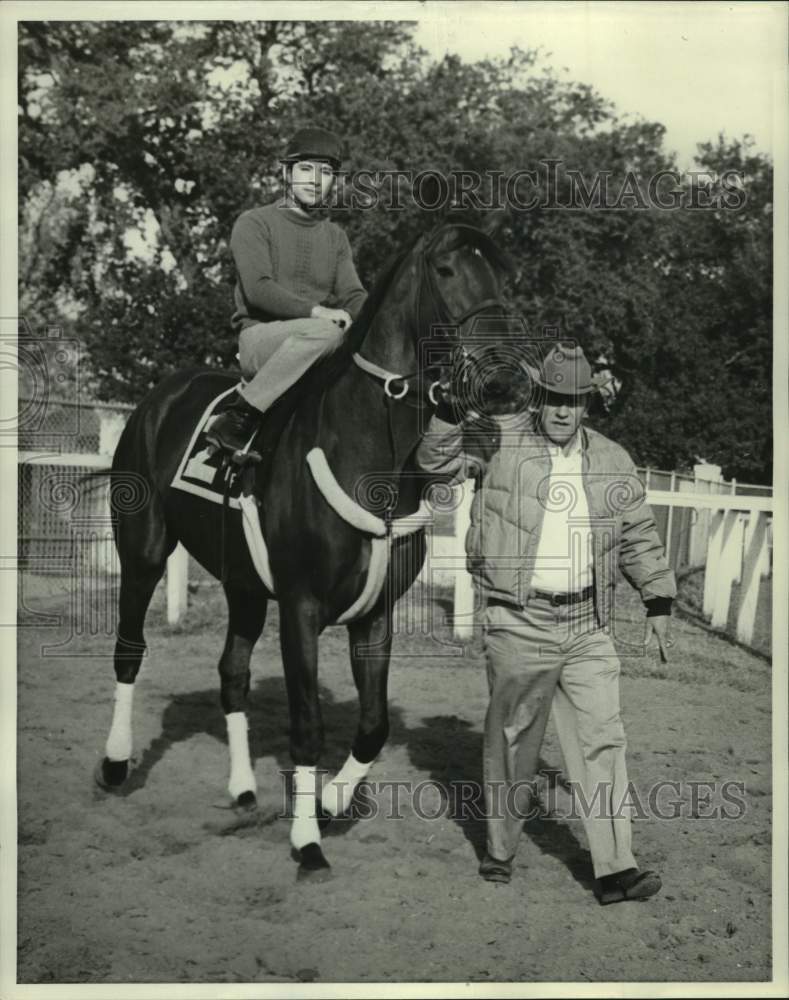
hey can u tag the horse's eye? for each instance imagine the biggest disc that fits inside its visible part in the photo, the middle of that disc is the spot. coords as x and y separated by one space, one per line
445 272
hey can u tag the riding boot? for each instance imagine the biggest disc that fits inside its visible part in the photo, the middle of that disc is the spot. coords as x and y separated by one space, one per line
233 429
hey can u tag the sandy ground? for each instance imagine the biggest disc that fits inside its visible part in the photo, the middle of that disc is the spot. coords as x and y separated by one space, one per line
166 884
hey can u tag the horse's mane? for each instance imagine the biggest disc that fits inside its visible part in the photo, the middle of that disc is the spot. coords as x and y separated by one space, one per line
326 371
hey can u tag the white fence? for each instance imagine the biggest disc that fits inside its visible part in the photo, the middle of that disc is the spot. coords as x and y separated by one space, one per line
723 531
729 537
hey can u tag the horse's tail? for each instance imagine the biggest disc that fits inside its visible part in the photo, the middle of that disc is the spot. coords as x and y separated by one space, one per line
94 480
150 437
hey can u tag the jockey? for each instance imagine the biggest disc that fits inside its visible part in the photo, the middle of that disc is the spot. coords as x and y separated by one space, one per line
297 287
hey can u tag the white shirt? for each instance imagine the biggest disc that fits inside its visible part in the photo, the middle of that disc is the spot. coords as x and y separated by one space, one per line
564 551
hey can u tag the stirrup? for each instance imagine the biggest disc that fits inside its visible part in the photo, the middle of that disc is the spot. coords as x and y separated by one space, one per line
237 459
240 458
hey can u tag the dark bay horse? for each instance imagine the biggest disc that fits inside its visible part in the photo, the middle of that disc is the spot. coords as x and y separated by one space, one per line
362 411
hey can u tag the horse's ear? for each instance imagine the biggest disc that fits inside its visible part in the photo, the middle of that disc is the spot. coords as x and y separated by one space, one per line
461 215
493 222
429 191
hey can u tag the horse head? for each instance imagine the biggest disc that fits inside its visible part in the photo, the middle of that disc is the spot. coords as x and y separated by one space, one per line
486 349
439 291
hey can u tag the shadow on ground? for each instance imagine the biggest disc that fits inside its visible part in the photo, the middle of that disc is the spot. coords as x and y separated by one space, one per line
445 747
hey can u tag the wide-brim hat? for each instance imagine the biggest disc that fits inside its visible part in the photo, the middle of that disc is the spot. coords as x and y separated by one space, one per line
313 143
565 371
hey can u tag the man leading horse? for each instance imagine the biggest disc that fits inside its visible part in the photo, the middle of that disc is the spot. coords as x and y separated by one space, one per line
558 510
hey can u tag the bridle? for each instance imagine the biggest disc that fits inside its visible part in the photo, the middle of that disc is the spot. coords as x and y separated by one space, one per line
439 315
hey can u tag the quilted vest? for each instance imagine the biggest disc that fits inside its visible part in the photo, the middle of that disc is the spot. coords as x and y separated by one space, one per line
509 506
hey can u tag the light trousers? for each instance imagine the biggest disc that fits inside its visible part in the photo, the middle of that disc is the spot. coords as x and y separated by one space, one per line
274 356
542 658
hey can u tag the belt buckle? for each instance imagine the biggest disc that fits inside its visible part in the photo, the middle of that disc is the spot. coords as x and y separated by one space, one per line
555 600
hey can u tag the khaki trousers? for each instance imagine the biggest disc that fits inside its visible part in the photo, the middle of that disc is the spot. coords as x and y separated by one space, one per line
275 355
540 658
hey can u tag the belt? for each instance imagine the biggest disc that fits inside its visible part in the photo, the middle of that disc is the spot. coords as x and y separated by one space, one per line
555 600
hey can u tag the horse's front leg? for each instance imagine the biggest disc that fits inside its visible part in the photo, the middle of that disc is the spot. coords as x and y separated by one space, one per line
299 627
247 616
371 645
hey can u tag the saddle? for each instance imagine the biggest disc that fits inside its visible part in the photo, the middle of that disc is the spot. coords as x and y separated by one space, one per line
204 470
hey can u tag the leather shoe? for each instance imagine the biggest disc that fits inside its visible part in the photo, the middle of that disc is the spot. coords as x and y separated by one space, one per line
494 870
233 429
628 884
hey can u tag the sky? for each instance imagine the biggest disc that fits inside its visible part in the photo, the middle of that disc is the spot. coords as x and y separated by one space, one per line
698 68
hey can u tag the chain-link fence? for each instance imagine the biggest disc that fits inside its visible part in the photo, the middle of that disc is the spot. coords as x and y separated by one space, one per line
65 448
69 426
59 502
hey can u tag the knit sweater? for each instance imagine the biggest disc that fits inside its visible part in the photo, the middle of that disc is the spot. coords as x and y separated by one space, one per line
287 263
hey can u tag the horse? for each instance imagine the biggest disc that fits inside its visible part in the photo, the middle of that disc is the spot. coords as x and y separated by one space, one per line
332 447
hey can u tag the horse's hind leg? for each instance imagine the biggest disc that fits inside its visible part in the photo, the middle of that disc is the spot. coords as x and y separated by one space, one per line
247 616
143 551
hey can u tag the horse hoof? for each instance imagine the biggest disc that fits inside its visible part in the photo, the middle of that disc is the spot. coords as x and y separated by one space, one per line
246 802
313 865
111 774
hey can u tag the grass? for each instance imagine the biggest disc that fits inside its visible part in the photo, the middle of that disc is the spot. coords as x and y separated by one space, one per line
691 593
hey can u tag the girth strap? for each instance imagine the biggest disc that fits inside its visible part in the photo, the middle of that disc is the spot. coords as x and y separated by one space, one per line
352 512
383 532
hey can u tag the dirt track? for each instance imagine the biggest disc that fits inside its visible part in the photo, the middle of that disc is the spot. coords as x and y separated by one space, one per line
163 884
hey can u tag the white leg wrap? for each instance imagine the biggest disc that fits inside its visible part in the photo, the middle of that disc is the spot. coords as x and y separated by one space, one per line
242 777
304 829
119 742
337 793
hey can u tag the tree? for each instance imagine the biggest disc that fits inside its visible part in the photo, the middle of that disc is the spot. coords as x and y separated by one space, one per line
170 130
701 358
178 126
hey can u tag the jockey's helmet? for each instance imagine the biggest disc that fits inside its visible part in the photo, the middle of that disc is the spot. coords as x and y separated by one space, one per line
313 143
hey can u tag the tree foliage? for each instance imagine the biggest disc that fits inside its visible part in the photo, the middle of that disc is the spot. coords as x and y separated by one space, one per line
168 130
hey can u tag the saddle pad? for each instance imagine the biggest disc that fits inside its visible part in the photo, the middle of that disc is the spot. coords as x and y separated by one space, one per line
199 471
